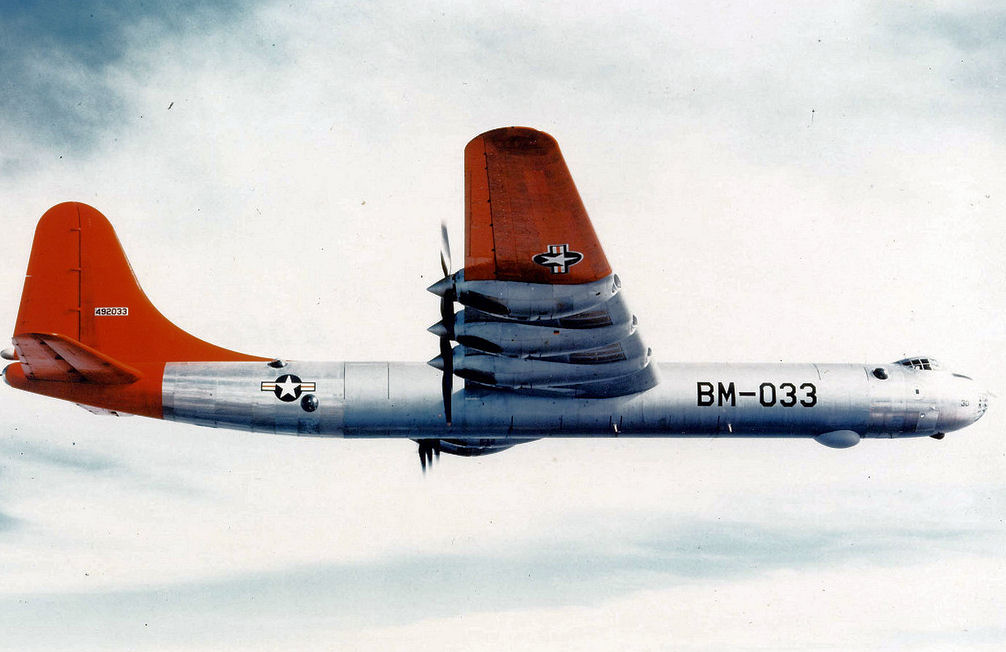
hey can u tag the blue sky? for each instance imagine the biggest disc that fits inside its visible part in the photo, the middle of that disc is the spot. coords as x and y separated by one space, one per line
820 184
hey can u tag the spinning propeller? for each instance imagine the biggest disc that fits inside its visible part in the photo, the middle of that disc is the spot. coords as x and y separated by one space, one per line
444 329
428 448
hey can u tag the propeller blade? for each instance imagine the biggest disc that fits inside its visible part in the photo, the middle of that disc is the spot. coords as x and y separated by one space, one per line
447 317
447 382
427 449
447 354
445 250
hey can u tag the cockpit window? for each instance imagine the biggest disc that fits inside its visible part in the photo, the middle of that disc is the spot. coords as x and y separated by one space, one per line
927 364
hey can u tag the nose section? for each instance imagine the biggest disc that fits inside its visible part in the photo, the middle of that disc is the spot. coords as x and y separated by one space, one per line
965 403
981 404
973 407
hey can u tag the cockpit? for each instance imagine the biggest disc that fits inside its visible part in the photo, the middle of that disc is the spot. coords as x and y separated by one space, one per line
922 364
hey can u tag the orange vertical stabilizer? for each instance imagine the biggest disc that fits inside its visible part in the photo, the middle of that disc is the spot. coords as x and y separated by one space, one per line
85 330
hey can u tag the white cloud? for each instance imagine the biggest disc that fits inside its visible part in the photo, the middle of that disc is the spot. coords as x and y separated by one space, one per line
851 608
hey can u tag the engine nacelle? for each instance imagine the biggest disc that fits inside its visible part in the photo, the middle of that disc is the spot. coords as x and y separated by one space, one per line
526 301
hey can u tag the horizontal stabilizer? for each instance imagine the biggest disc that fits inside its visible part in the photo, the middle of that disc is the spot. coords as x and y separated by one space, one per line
50 356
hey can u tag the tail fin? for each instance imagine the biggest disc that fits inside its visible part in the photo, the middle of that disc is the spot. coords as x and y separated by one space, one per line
79 285
85 331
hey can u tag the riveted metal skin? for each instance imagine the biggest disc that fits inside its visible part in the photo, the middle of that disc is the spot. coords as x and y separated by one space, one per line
526 373
570 340
542 338
382 399
230 395
527 301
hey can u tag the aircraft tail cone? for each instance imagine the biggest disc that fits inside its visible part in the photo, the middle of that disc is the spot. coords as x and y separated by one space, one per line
437 362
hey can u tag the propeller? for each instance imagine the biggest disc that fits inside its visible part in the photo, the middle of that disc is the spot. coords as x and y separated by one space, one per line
445 328
428 449
445 250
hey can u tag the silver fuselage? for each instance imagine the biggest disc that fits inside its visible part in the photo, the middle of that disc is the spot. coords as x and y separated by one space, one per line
393 399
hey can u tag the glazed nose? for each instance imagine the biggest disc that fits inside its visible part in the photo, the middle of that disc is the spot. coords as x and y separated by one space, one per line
981 405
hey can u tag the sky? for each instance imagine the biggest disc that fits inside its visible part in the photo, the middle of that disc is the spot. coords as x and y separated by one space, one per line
821 183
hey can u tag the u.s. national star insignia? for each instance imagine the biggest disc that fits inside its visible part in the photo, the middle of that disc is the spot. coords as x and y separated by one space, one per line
287 387
559 258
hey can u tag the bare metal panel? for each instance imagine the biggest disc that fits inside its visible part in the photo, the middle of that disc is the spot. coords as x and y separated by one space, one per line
739 400
608 322
527 301
231 395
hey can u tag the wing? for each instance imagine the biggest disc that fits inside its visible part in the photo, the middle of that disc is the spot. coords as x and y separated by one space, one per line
524 220
543 310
